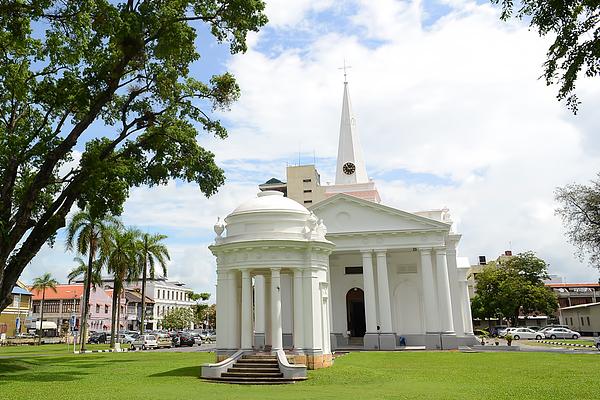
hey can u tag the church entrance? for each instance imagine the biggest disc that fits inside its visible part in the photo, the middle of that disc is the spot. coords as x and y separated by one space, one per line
355 311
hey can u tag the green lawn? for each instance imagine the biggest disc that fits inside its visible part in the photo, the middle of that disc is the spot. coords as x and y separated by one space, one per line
402 375
46 349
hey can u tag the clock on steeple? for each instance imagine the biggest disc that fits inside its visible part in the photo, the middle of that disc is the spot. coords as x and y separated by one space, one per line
349 168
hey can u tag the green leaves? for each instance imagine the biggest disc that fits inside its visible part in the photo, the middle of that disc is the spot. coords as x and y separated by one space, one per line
124 69
178 318
580 213
513 286
576 47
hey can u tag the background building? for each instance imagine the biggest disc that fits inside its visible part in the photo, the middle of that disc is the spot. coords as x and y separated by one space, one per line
12 318
65 303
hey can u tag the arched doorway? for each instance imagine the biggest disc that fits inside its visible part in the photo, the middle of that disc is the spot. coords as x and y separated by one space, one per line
355 311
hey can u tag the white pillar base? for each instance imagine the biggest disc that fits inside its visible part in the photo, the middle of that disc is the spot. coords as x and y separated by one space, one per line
259 341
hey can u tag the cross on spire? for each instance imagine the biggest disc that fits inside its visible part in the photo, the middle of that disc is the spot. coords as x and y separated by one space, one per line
345 68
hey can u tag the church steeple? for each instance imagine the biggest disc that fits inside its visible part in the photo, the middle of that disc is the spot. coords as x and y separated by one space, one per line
350 162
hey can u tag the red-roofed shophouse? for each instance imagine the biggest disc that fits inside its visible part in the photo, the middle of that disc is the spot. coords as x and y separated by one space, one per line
64 303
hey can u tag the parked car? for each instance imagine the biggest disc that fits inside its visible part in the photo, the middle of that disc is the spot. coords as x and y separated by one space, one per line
561 333
163 340
526 333
555 326
597 343
534 328
496 329
99 338
208 336
503 332
144 342
197 337
127 338
183 339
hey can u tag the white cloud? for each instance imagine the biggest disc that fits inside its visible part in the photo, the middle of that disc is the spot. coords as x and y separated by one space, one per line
286 13
459 98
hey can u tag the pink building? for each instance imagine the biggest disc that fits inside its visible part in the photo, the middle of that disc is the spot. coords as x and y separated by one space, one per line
64 304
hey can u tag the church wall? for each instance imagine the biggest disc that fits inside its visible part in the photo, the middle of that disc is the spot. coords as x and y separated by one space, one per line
405 293
340 284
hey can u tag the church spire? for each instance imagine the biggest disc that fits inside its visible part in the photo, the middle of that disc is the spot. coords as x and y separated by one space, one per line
350 163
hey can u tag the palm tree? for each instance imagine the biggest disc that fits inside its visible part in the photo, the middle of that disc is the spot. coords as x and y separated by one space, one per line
119 256
152 253
42 283
81 269
85 232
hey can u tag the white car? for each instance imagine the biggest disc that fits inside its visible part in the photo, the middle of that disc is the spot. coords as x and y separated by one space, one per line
127 338
561 333
144 342
526 333
503 332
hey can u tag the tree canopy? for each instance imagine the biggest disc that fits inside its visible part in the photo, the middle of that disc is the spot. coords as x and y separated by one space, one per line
575 27
178 318
513 287
580 212
97 97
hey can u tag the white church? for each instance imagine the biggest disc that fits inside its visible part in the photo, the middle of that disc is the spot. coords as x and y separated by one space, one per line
306 268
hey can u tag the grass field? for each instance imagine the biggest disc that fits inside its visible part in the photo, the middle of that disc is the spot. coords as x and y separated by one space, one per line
406 375
47 349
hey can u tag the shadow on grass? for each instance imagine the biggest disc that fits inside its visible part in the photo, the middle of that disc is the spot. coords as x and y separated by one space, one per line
55 369
185 371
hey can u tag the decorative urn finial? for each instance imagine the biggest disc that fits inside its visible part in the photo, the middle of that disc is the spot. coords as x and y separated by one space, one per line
219 227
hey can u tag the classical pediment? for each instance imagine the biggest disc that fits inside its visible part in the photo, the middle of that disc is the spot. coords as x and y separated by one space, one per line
343 213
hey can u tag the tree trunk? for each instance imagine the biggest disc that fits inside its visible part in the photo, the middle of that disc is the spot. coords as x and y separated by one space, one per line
87 287
118 316
114 317
41 330
142 319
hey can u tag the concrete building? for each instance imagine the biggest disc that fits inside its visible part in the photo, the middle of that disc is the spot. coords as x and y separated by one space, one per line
64 303
574 294
583 318
164 296
13 317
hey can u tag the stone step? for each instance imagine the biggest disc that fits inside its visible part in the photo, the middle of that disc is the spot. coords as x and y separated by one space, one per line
252 375
257 362
259 357
255 381
253 369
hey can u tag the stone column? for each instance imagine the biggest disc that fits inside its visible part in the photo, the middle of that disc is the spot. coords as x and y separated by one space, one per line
445 299
267 310
387 338
449 340
308 310
455 290
223 316
466 307
429 296
298 311
276 329
246 312
259 311
234 310
371 341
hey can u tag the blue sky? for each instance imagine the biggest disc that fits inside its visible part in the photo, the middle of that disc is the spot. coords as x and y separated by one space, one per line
449 108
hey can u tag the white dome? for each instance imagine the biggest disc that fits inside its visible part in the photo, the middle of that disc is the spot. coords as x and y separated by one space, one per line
270 200
270 216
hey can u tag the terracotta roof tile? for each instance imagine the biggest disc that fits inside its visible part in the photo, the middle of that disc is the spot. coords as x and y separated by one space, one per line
62 292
